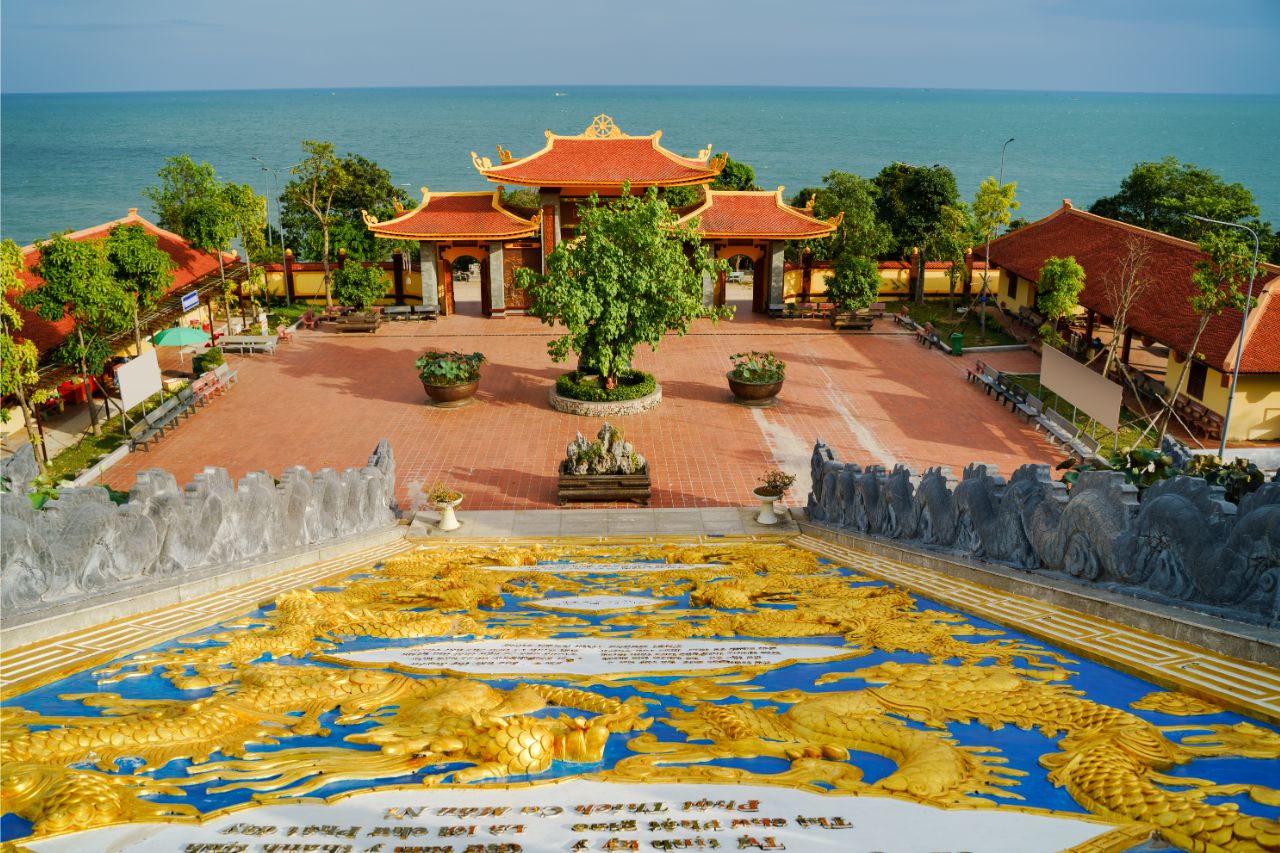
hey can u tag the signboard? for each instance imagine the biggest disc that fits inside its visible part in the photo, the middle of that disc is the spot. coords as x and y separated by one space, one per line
1090 392
138 379
190 301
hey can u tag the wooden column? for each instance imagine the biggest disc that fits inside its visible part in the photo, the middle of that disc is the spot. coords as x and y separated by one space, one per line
288 276
1128 343
397 276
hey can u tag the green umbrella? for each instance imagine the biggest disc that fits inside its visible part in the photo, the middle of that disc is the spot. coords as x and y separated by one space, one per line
179 336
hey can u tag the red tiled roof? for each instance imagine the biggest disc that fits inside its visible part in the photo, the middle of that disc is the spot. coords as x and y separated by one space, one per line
1162 311
601 156
757 214
455 216
192 264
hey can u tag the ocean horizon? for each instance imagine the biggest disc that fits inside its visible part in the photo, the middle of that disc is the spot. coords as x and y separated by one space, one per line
72 160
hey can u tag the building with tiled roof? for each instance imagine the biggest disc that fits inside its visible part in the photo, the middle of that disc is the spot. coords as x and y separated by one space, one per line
1162 314
191 266
567 170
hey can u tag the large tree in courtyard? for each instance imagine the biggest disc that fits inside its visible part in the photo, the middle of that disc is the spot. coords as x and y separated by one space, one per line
317 181
19 358
78 283
367 187
910 201
1058 295
631 276
859 239
142 268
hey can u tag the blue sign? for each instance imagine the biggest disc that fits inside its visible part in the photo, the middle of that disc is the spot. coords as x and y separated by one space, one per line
190 300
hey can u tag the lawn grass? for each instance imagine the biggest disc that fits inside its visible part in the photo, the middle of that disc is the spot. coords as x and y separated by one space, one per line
946 321
1131 424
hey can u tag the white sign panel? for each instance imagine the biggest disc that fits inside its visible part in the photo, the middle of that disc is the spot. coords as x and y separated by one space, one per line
599 603
138 379
591 816
588 657
1090 392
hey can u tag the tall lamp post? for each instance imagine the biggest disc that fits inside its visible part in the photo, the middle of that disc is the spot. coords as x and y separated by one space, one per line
275 189
1244 323
986 258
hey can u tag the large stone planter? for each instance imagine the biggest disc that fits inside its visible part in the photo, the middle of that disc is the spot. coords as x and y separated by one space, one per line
754 393
605 410
605 487
451 396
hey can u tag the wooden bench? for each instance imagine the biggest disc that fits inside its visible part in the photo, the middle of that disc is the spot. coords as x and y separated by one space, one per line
398 312
928 336
977 373
250 343
851 320
358 323
1067 434
425 312
309 319
225 376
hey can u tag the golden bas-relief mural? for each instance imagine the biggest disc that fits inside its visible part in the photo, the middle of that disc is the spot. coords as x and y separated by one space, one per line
481 688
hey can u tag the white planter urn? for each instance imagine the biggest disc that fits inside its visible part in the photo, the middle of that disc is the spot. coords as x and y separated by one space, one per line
448 519
767 515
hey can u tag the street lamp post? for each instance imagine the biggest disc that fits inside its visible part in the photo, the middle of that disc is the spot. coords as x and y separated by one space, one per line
1244 323
275 189
986 258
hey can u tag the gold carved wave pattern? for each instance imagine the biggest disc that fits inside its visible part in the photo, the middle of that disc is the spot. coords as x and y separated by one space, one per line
67 773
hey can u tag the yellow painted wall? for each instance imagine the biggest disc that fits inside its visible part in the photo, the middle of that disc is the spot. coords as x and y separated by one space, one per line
1025 297
893 283
308 285
1255 415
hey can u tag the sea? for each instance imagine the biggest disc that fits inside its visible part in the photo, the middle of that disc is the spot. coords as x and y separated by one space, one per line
69 161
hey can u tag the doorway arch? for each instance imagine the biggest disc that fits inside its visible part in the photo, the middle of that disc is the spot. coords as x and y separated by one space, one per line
456 257
741 258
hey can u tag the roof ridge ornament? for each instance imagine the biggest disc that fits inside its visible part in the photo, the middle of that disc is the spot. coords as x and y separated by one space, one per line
716 163
704 153
602 127
481 162
504 156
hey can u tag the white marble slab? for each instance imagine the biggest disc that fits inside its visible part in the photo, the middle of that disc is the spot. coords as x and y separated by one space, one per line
599 603
579 815
587 656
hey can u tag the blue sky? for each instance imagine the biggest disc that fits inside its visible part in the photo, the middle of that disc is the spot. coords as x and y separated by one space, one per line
1078 45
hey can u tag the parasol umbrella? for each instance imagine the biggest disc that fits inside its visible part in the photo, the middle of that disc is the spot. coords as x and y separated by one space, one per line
179 336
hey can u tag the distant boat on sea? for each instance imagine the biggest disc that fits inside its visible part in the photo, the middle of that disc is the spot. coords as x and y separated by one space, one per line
560 94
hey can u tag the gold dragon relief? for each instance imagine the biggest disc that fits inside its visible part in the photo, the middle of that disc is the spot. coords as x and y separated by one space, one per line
266 679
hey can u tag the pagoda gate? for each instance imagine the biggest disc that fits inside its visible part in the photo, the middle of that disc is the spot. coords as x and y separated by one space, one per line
565 172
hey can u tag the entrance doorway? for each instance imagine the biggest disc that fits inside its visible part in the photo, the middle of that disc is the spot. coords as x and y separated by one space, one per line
742 278
464 273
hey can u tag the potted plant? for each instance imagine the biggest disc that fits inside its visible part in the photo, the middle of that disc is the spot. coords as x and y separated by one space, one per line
445 499
449 378
756 377
773 485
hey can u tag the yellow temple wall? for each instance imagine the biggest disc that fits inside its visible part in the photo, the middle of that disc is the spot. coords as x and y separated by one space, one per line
894 283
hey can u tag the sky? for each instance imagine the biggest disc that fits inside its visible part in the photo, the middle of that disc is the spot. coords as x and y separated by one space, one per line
1192 46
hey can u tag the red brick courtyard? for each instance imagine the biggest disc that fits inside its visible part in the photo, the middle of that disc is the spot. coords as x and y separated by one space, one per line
325 400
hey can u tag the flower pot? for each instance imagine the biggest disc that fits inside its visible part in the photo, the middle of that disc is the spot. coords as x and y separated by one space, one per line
451 396
448 520
767 515
753 393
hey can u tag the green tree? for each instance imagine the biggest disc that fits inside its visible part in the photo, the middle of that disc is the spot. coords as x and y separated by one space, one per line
1157 195
1058 295
677 197
632 275
184 183
366 188
993 205
525 198
142 268
854 281
735 175
909 200
317 181
78 283
19 358
358 285
950 238
211 226
1219 281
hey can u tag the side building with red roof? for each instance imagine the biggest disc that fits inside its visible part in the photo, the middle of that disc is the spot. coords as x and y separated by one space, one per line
1160 319
566 171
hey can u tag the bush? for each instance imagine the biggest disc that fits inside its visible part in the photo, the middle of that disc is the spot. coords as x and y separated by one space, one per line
632 385
757 367
208 361
449 368
359 286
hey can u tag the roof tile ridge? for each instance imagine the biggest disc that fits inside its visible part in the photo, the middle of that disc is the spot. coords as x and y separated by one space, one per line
496 202
679 159
484 165
1162 237
707 202
370 222
85 232
1053 214
1267 301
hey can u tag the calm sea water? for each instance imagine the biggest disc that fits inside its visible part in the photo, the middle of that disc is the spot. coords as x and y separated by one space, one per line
69 161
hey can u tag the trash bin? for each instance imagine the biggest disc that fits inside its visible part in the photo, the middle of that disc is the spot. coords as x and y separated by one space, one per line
957 343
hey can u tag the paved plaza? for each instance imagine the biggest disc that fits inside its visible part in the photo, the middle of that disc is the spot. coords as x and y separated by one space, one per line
325 400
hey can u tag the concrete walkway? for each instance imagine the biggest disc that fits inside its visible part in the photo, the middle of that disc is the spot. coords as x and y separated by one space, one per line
638 521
